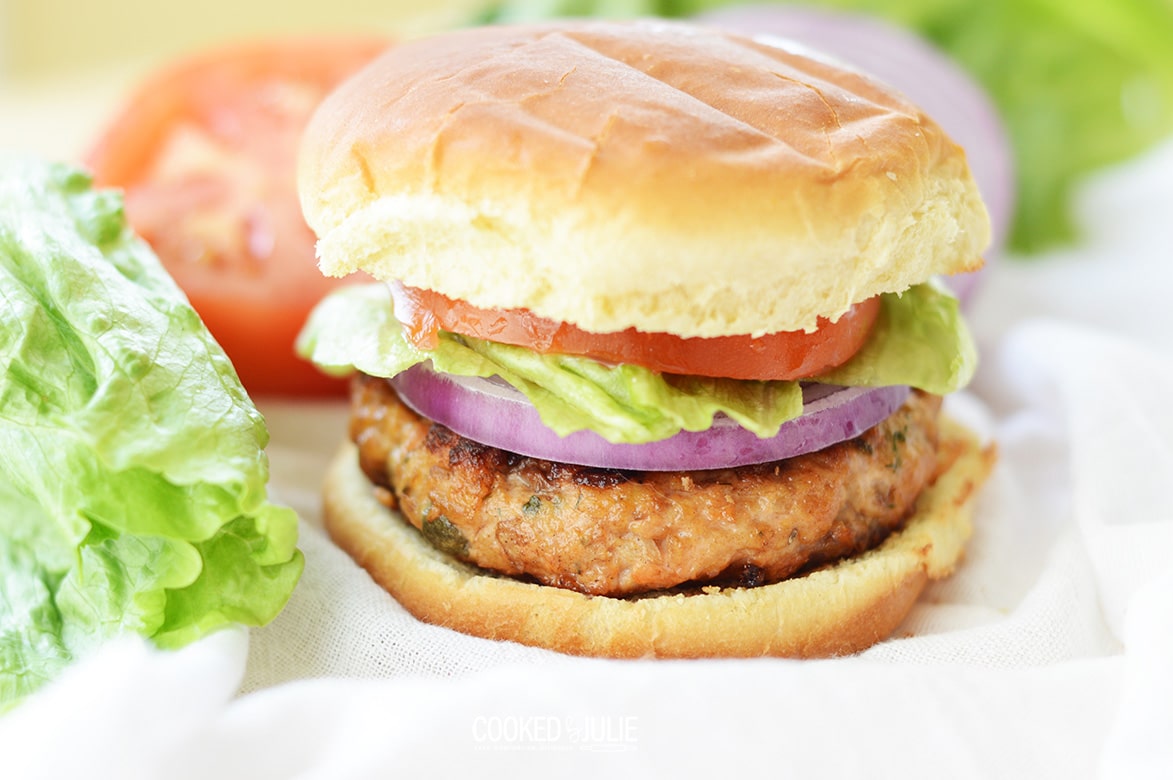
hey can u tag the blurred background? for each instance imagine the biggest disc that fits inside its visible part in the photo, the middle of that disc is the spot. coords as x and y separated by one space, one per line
65 65
1075 85
46 38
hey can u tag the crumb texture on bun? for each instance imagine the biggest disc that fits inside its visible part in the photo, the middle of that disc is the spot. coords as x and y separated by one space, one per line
598 173
836 610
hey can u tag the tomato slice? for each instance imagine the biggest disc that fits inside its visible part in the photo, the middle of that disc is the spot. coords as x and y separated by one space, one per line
206 153
783 355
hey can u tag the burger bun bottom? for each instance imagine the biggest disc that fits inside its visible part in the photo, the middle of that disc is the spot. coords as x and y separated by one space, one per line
835 610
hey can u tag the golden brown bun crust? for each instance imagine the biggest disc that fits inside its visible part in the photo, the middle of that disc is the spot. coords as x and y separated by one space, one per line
833 611
651 175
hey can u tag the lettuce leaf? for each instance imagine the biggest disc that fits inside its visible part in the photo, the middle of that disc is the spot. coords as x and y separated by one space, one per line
132 471
1079 84
920 339
920 334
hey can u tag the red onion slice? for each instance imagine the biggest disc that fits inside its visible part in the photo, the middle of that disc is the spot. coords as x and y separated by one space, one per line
494 413
930 79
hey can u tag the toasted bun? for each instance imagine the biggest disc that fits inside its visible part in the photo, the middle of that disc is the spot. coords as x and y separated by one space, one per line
833 611
651 175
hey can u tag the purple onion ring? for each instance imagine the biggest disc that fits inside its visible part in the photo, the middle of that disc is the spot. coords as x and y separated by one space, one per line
494 413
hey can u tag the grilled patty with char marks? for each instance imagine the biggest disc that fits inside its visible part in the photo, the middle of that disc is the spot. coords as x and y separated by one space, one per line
622 533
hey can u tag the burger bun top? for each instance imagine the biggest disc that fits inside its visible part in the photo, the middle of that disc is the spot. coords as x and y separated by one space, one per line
649 174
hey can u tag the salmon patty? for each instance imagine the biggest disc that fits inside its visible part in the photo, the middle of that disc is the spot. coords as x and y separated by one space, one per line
622 533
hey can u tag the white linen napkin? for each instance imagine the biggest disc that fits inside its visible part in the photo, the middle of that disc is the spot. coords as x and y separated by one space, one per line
1048 654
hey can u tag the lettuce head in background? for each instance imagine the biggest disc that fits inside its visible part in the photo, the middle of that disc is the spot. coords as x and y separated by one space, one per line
1079 85
132 470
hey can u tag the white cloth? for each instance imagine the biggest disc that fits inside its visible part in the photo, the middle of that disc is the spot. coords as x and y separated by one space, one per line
1048 654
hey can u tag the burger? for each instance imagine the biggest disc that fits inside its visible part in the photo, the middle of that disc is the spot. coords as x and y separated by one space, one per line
655 361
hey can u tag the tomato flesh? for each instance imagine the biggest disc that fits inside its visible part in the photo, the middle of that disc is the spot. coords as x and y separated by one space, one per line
206 154
783 355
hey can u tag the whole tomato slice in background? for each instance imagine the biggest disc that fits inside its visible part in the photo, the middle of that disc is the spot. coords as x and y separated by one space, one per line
206 151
